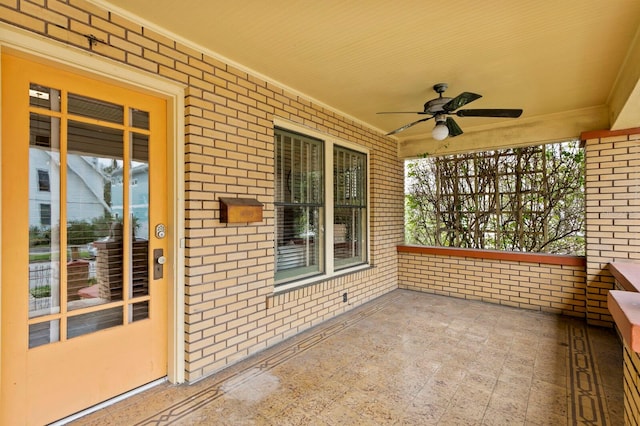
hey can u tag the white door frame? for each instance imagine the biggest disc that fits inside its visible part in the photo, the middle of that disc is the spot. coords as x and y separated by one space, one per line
37 48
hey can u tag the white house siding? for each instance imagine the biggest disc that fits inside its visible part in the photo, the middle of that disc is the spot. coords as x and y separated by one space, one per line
85 187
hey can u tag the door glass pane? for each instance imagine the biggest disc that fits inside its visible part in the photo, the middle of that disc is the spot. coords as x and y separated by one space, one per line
95 208
44 97
139 119
139 311
44 333
139 213
79 325
44 215
94 214
95 108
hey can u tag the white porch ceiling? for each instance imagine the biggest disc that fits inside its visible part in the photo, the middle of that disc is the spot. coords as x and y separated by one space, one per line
572 65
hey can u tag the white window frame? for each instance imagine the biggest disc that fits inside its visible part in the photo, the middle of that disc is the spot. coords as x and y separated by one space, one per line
48 177
329 267
363 223
44 206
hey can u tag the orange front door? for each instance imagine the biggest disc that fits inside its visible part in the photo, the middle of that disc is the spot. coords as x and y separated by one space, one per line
84 299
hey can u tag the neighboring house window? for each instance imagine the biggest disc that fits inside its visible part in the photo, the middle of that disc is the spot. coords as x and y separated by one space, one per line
45 214
43 181
321 221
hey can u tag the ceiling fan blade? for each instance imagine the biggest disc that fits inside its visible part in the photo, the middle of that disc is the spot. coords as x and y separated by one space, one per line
402 112
454 129
505 113
406 126
460 100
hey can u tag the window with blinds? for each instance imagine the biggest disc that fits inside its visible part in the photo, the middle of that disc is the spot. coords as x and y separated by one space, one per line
299 206
321 220
349 207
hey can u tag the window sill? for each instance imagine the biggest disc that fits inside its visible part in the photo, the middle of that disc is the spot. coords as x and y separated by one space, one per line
317 279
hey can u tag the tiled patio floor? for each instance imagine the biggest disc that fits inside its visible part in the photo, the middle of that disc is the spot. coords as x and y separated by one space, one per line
407 358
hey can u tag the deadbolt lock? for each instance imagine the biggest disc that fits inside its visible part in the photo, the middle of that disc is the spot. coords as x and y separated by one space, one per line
161 231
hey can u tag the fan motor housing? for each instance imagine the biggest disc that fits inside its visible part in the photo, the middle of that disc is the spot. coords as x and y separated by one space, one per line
434 106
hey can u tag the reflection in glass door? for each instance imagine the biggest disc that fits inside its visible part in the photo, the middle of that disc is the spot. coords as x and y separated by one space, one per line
88 215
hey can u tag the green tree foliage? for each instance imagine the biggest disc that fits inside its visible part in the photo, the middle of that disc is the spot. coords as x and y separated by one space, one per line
523 199
39 236
79 232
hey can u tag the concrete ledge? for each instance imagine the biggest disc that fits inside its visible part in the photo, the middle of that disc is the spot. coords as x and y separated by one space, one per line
624 305
513 256
625 310
626 274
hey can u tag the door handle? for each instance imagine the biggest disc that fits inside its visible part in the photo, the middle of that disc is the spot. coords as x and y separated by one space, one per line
158 261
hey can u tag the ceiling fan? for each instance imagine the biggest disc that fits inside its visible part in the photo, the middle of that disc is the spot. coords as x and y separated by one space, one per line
440 107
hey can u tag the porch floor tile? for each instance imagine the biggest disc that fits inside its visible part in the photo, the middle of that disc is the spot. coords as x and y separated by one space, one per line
406 358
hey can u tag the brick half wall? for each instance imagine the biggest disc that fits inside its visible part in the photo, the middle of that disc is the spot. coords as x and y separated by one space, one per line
540 282
631 393
612 197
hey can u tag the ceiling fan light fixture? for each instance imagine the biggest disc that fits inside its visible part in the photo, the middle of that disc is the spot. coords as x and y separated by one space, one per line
440 132
440 107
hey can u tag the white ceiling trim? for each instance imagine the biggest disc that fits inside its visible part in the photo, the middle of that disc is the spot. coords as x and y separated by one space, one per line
529 131
624 100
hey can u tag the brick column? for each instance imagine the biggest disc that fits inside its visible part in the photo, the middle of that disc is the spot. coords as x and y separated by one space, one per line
612 212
